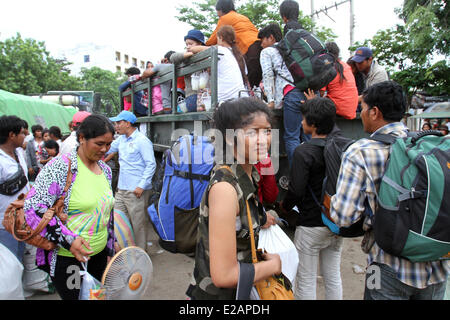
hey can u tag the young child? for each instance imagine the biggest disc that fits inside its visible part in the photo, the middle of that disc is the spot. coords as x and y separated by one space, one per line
314 241
193 38
50 149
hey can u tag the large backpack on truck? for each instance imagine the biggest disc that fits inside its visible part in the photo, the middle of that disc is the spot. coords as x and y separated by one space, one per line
413 215
307 59
334 147
187 167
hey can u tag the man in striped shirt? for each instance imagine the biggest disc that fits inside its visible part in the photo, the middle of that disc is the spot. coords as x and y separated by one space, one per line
362 168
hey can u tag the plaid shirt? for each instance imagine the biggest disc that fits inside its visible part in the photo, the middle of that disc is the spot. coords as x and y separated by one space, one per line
362 168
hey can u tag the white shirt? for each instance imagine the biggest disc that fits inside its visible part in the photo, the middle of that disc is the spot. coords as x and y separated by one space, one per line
230 79
28 138
69 144
8 167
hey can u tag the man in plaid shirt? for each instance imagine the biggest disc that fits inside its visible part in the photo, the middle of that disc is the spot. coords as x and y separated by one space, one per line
362 168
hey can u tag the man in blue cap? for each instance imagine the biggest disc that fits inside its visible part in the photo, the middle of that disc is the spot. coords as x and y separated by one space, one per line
137 166
370 69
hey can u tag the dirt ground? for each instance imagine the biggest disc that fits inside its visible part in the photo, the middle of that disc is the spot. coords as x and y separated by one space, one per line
172 273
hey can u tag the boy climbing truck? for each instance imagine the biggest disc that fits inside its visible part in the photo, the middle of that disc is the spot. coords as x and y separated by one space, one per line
164 129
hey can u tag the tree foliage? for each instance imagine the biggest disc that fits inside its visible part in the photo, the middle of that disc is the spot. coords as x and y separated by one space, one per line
28 68
416 53
104 82
201 15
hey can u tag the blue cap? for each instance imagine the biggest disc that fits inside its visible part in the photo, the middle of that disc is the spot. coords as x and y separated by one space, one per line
361 54
195 35
125 116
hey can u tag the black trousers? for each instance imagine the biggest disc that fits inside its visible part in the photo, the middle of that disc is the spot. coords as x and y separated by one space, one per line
67 280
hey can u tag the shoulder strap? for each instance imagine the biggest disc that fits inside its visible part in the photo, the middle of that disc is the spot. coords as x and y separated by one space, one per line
384 138
252 235
317 142
56 208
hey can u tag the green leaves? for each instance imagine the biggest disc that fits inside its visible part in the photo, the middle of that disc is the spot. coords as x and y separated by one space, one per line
202 15
27 68
416 53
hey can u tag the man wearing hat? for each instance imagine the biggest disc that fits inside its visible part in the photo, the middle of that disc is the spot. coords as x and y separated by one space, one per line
137 166
370 69
71 142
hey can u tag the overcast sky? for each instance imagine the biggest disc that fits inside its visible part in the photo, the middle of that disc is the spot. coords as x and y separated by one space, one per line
64 23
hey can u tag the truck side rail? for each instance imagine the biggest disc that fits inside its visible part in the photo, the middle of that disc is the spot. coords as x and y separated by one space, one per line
203 60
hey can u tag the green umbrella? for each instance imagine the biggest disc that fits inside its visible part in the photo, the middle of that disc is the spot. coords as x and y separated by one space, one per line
36 111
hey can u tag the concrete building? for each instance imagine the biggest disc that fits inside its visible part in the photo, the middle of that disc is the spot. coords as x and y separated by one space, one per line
88 55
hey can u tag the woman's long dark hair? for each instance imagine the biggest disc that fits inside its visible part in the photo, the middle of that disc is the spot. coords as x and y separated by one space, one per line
229 36
236 114
333 49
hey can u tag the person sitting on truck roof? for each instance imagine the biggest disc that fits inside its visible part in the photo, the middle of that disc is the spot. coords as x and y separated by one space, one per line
231 68
193 38
289 10
246 38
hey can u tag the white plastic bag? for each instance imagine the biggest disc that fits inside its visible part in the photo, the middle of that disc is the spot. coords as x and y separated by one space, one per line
274 240
34 280
91 288
10 276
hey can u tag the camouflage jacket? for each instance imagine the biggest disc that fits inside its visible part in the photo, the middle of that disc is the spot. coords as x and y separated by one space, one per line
246 189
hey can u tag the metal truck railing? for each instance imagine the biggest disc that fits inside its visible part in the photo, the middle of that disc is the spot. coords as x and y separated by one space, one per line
159 128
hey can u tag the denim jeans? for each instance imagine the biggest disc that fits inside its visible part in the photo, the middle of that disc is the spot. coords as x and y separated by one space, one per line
391 288
314 244
16 247
292 120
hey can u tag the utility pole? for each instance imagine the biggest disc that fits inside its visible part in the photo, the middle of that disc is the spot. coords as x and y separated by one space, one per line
352 23
312 15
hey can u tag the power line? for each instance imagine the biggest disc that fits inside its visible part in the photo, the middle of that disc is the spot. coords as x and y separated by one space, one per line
325 10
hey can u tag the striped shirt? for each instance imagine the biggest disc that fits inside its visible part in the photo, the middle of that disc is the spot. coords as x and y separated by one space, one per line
362 169
274 73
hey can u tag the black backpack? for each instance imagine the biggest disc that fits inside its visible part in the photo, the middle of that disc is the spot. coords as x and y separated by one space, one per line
334 147
307 59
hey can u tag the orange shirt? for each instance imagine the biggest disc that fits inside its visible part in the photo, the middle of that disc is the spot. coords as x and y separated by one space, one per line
345 94
246 32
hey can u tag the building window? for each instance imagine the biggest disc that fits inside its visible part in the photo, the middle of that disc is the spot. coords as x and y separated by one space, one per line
142 64
86 58
117 56
125 58
118 68
134 62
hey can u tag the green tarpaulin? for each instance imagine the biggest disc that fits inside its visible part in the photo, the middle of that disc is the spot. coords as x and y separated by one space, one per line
36 111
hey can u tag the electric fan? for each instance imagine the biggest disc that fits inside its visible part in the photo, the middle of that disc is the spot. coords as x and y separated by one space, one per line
128 274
